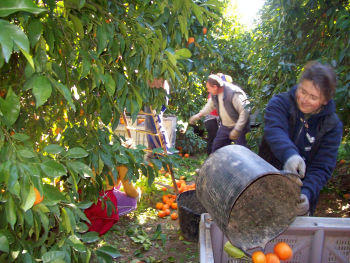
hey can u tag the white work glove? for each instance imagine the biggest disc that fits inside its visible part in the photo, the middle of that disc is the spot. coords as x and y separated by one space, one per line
295 164
303 206
234 134
194 118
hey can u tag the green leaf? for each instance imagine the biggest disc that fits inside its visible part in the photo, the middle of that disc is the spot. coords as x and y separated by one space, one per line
102 39
171 58
8 7
53 169
109 84
21 137
78 26
77 152
80 168
77 244
35 29
182 53
109 250
41 89
53 255
28 57
29 200
65 92
9 35
198 12
52 195
26 153
53 149
4 243
10 107
90 237
11 212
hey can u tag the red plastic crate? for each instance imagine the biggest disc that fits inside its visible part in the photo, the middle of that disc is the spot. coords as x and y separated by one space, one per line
313 240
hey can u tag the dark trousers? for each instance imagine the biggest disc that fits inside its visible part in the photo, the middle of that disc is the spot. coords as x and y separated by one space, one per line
212 127
222 138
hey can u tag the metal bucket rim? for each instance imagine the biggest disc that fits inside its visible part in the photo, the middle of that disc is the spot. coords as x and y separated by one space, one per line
184 207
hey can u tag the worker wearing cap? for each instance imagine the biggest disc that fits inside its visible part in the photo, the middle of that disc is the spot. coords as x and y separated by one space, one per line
231 103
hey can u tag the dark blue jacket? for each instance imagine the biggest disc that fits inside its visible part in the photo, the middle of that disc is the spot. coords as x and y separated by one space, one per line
286 141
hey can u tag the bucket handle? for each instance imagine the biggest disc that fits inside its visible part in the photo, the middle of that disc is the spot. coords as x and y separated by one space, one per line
292 176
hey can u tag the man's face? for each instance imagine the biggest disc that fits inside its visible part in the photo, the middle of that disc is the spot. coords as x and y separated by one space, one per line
212 89
309 97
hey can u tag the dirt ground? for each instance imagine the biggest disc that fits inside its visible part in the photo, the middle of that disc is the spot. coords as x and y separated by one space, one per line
141 236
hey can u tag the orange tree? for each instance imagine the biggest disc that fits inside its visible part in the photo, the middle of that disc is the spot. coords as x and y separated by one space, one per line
68 69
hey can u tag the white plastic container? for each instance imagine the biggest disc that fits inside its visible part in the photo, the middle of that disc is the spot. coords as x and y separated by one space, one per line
313 240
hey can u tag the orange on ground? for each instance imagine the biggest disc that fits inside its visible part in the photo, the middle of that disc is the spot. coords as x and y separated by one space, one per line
165 198
346 196
167 211
165 207
190 40
159 205
186 155
283 251
38 198
174 205
205 30
161 214
183 178
258 257
174 216
272 258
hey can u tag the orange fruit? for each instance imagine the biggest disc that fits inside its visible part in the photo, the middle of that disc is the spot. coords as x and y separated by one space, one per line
165 207
159 205
164 188
12 133
38 198
272 258
161 214
186 155
190 40
81 113
167 211
342 161
258 257
180 154
174 216
165 198
283 250
205 30
183 178
346 196
174 205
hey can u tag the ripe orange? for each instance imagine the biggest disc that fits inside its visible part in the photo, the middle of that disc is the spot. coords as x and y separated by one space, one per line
190 40
342 161
174 216
38 198
186 155
159 205
258 257
165 206
167 211
272 258
164 188
174 205
183 178
161 214
12 133
205 30
81 113
283 251
346 196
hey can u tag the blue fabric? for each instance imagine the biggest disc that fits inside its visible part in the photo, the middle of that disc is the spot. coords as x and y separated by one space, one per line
222 138
284 143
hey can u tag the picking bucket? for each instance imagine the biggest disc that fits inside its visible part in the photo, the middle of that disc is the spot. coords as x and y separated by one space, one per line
190 210
251 201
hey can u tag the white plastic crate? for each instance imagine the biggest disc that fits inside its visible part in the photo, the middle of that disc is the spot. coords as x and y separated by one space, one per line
313 240
169 123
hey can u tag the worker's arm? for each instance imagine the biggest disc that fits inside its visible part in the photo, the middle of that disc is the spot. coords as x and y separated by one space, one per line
208 108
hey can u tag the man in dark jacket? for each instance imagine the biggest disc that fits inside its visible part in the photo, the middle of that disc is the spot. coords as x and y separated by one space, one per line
231 103
302 132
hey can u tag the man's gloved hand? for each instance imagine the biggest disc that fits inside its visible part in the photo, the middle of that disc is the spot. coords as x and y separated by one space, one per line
303 206
234 134
295 164
194 118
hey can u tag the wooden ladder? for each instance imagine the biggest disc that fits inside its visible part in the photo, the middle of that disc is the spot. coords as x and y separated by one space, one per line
158 134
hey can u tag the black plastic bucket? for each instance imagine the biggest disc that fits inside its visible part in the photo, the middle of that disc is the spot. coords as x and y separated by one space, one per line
250 200
190 210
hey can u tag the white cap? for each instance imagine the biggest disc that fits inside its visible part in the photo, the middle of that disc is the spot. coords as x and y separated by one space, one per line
217 78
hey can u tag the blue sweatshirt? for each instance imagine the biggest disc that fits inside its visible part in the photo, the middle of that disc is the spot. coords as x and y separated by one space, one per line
284 145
